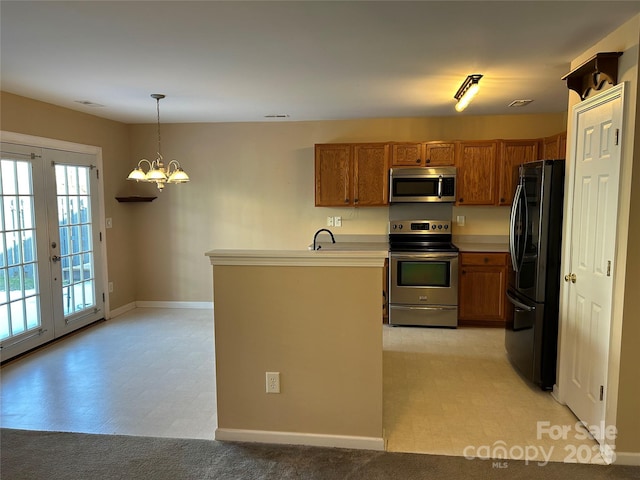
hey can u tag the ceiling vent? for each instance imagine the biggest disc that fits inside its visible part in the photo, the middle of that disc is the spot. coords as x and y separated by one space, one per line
520 103
88 103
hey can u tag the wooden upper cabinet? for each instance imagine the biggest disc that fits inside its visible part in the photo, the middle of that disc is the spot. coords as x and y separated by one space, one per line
424 154
350 175
407 154
477 173
554 147
513 153
333 175
439 153
370 175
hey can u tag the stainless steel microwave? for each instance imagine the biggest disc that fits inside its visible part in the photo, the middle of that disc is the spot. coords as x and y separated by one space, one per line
419 184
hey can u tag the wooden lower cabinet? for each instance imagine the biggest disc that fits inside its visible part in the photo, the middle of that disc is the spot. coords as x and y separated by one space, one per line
482 289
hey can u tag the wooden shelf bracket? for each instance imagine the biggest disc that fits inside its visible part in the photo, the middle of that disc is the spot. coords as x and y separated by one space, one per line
592 74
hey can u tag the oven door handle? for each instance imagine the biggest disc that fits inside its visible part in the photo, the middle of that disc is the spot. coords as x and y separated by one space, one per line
423 256
421 307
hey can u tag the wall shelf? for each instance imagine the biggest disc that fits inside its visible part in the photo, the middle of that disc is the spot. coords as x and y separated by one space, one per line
135 198
592 74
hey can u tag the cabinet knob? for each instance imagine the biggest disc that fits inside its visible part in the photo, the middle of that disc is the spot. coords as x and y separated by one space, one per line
356 200
461 200
502 200
417 160
346 200
428 160
486 260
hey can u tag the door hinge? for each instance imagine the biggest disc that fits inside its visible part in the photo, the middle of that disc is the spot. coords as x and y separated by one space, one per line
608 268
97 174
103 300
617 136
100 236
601 392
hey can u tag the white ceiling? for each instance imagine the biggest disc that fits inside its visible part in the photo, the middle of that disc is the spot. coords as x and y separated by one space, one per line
240 60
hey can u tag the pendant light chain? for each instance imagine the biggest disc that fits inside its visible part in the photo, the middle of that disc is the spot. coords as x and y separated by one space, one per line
158 110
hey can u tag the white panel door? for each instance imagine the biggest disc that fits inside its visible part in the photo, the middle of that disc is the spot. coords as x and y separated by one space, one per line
593 220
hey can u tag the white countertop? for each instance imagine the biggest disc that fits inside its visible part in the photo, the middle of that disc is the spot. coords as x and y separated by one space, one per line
482 243
302 258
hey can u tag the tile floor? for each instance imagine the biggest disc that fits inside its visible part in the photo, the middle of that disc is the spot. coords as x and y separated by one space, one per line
454 392
150 372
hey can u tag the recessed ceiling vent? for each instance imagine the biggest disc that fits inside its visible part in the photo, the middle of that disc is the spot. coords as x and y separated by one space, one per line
88 103
277 115
520 103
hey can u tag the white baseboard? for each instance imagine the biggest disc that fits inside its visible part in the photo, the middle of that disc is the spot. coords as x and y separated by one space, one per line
627 458
293 438
123 309
152 304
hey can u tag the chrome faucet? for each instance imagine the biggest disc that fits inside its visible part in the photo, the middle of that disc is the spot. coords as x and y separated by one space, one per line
316 236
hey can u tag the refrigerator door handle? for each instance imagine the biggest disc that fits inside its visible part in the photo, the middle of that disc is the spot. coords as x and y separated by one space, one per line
519 304
512 227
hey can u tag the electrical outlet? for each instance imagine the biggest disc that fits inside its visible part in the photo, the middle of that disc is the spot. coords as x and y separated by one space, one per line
329 221
273 382
108 222
110 287
337 221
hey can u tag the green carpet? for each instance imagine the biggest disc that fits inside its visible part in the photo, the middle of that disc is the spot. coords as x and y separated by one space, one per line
38 455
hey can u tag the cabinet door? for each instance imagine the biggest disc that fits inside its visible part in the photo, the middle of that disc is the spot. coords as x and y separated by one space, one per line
406 154
333 175
482 291
371 174
439 153
513 153
476 178
554 147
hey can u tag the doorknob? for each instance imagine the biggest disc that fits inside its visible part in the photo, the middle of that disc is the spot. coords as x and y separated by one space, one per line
55 258
570 276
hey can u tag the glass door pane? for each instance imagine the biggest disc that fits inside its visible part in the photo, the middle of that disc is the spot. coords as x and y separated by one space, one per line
76 245
19 291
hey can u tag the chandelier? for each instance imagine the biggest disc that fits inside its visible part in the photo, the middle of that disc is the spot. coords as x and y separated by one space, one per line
158 173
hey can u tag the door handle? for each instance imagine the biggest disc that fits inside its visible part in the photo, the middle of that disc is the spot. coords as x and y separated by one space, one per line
55 258
570 277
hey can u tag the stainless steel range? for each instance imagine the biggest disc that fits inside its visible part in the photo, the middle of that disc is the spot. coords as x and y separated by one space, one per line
423 274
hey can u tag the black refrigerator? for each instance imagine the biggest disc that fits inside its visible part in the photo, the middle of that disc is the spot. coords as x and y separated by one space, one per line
535 238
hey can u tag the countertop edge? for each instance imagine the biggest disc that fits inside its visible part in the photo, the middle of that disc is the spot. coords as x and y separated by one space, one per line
298 258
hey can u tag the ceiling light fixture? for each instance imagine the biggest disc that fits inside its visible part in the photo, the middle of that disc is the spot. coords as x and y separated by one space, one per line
467 91
157 173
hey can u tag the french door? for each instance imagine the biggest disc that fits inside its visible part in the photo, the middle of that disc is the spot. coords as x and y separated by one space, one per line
50 245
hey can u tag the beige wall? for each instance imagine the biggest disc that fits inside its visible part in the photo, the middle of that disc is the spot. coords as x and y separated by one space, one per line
30 117
253 187
320 327
623 377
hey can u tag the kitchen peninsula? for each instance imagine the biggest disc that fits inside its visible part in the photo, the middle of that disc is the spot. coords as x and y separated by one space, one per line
315 318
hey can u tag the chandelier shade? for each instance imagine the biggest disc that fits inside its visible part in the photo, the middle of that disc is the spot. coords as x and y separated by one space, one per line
157 172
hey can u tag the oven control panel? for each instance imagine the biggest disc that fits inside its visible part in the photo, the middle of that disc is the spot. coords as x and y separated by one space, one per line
420 226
